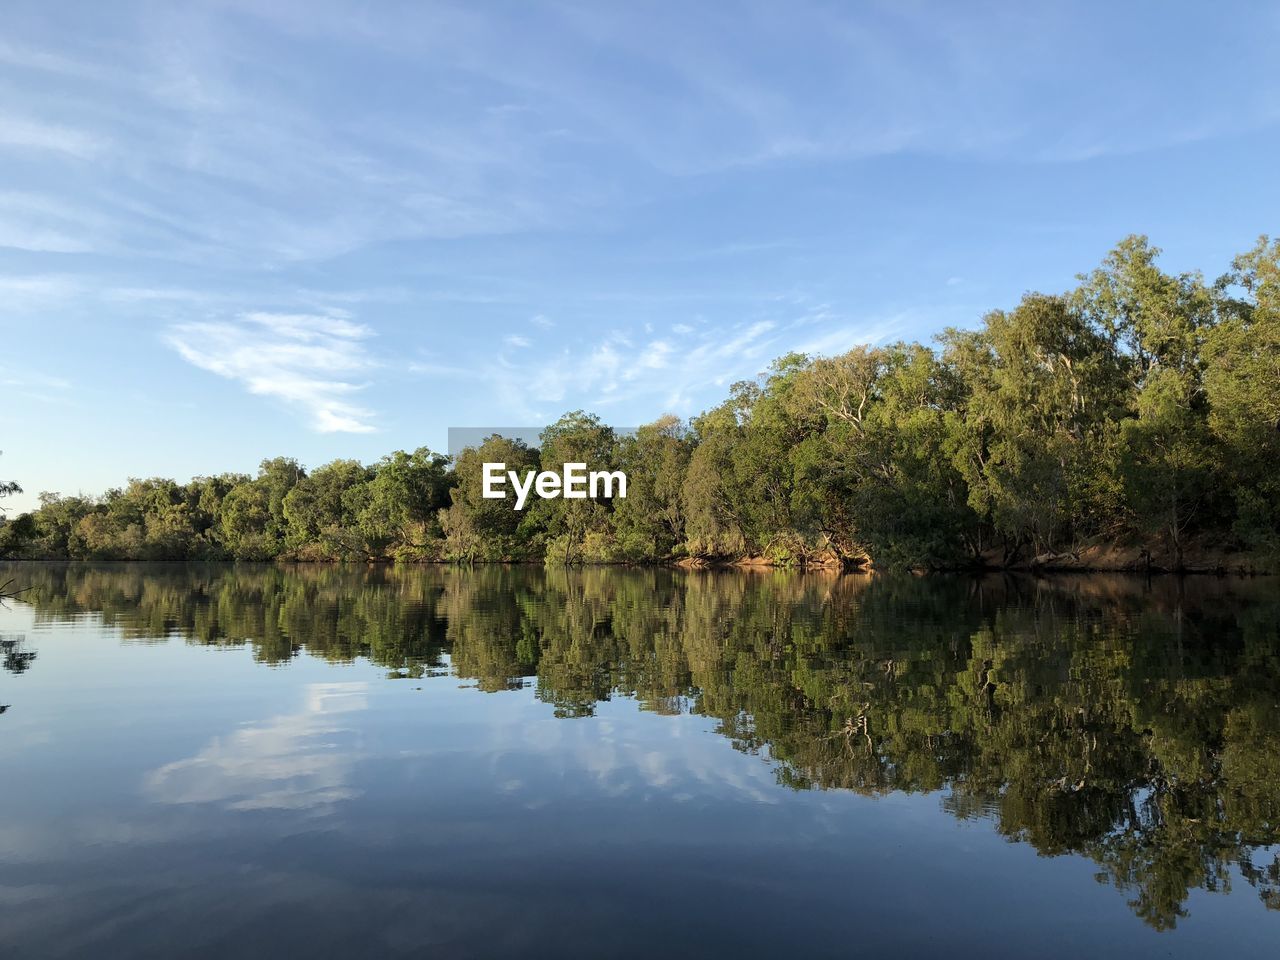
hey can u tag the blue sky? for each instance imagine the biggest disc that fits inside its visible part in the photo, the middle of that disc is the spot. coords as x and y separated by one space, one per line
237 230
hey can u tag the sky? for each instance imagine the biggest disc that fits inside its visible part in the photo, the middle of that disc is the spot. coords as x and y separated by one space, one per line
233 230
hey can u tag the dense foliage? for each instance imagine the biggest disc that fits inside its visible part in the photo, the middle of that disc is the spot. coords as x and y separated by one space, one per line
1138 412
1133 722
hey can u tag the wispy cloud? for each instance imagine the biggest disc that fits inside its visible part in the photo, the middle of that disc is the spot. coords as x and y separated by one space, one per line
37 290
431 368
208 143
35 59
160 294
35 135
306 360
34 385
676 373
44 223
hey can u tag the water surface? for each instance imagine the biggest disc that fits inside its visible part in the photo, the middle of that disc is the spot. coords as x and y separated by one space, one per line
332 761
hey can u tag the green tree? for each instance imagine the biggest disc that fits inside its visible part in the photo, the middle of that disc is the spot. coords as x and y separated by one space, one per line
1157 324
577 529
246 522
400 512
278 476
476 529
322 511
1036 440
649 522
883 467
1242 381
714 525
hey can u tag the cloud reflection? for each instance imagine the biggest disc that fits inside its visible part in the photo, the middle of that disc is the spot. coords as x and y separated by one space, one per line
299 761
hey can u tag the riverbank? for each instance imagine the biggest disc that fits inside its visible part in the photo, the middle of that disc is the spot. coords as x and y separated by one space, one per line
1198 556
1097 558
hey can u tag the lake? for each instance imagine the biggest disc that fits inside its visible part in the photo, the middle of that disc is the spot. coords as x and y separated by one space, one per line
231 760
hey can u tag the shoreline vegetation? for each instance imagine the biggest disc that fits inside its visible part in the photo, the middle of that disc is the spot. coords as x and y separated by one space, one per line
1131 423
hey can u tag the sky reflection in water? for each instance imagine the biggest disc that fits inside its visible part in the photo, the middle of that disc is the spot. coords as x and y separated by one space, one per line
245 760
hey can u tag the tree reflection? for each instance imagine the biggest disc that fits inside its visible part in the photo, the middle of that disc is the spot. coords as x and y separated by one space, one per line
1133 723
16 659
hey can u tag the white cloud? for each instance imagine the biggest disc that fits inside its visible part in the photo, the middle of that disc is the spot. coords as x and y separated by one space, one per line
539 320
309 328
655 356
519 342
307 360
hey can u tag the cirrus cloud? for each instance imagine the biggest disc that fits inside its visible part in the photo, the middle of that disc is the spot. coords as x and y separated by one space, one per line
307 360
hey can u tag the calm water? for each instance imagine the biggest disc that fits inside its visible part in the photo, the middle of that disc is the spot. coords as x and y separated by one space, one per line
326 761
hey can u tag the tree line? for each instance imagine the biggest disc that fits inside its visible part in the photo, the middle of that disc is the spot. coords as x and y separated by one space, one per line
1127 721
1132 420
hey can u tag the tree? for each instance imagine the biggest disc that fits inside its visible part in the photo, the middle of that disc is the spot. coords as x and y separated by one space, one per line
882 468
1036 439
55 524
649 522
576 529
322 510
710 496
246 522
1242 382
402 503
13 537
277 477
7 488
1157 324
478 529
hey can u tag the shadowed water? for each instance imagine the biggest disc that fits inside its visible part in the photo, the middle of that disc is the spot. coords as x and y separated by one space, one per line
334 761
